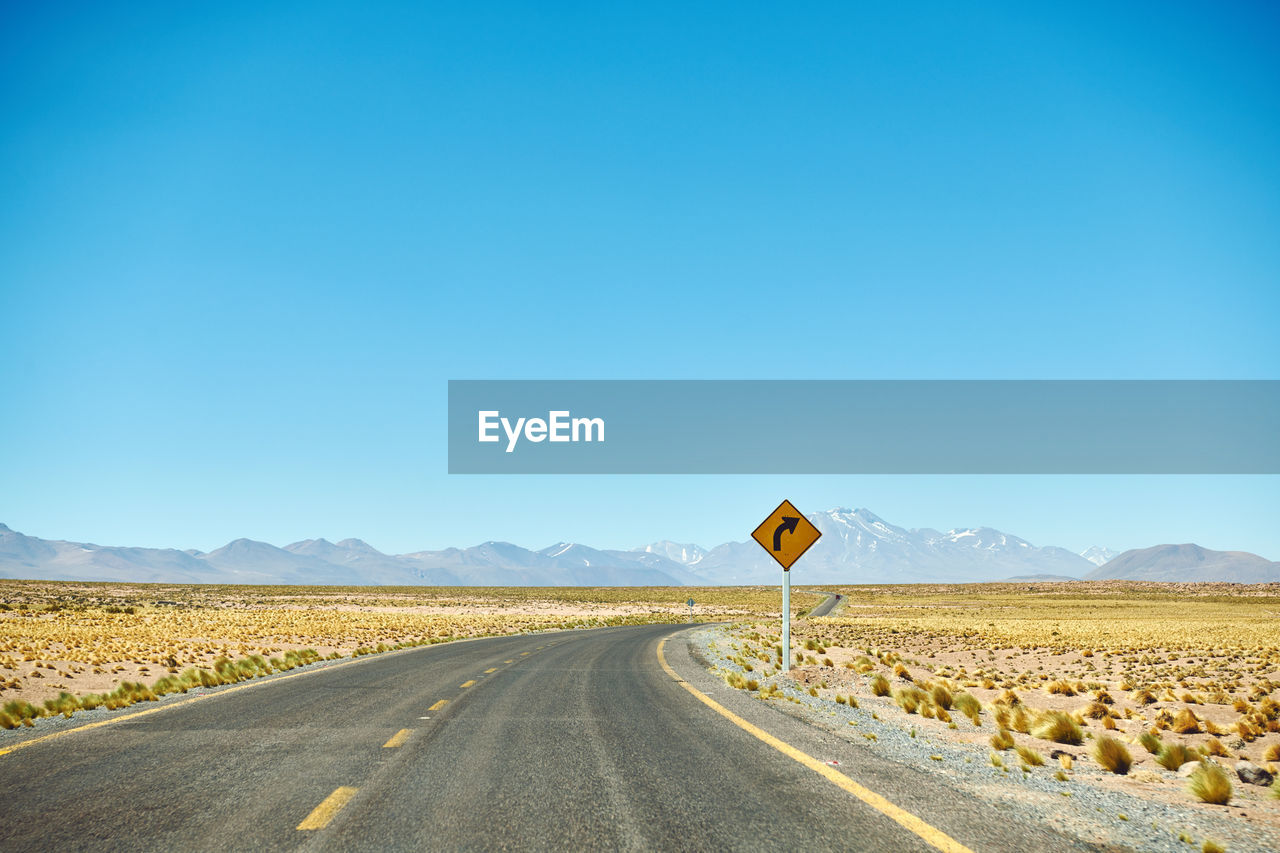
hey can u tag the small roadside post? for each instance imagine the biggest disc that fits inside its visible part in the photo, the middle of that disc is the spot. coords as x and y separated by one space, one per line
786 534
690 603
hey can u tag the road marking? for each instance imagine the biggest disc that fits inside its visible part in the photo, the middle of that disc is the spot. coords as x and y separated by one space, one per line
437 706
490 669
398 739
904 818
508 661
522 654
323 813
467 683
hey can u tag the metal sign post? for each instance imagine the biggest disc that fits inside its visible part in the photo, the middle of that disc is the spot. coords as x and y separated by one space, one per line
786 534
786 620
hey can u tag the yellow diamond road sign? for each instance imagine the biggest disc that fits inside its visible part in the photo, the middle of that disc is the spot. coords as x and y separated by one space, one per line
786 534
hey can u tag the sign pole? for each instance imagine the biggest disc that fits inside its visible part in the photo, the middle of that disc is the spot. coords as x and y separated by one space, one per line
786 534
786 621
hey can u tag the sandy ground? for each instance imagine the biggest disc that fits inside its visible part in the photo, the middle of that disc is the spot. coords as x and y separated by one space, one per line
1120 689
89 638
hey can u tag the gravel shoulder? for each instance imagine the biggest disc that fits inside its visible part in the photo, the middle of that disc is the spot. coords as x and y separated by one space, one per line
1087 806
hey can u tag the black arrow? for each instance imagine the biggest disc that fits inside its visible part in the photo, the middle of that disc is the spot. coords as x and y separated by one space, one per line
788 524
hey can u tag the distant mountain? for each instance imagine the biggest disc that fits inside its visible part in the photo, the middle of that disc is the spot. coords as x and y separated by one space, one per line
1188 563
1040 579
562 564
1098 555
857 546
357 558
23 556
349 562
675 551
259 562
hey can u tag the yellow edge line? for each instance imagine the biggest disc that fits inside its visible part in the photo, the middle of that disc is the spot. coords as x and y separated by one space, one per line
398 739
437 706
136 714
466 684
323 813
904 818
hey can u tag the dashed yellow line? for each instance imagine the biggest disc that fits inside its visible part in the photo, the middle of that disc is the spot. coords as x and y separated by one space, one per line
522 654
508 661
437 706
490 670
467 683
323 813
902 817
398 739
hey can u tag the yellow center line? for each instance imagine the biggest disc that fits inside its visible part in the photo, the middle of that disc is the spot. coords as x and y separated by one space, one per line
508 661
904 818
466 683
437 706
490 669
398 739
522 654
323 813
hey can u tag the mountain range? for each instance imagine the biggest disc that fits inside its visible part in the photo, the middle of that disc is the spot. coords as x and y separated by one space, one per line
1184 562
857 546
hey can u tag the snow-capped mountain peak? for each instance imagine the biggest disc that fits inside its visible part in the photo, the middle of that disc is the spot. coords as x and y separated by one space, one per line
1099 555
685 554
857 546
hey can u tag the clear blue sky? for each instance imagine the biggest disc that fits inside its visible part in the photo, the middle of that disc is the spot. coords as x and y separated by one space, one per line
243 247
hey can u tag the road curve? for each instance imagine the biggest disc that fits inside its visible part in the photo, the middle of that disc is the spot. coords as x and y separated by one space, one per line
825 606
573 740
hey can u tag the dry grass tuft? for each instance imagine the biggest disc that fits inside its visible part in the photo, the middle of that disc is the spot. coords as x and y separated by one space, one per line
1174 755
1029 756
1112 755
912 699
1096 711
1211 784
1215 747
1186 722
968 705
1058 726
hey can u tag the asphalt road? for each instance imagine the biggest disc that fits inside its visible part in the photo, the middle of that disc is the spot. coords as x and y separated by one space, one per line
564 741
825 607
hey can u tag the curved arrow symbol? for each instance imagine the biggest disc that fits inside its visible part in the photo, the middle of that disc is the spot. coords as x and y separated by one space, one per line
788 524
